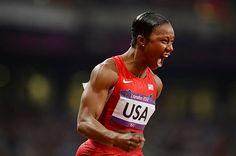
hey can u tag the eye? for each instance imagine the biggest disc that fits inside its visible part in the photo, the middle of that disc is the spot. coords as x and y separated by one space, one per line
165 41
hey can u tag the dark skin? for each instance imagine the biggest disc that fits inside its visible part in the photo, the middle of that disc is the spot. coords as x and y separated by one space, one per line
148 52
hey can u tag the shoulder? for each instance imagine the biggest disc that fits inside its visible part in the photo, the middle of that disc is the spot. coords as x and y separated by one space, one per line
156 78
105 68
159 84
104 74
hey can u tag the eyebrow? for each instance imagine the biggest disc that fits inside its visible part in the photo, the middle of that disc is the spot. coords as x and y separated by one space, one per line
163 35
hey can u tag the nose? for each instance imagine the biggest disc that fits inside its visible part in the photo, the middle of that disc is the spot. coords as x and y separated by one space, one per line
169 48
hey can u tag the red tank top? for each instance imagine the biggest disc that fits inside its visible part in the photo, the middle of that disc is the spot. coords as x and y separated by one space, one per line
131 102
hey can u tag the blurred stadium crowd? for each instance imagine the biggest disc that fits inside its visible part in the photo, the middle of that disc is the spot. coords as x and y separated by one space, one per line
48 48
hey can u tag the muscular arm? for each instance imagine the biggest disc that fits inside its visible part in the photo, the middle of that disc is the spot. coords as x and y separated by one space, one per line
92 104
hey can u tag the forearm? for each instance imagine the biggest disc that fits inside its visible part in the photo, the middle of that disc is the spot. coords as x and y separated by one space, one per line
94 130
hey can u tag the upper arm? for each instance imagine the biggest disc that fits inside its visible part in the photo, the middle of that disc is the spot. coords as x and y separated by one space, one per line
94 97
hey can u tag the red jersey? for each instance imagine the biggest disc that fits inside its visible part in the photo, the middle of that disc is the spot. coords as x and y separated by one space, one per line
131 102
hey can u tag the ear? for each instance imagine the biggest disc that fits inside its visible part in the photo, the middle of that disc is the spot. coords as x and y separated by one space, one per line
141 41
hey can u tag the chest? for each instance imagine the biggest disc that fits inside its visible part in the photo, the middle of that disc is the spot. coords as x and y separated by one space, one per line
143 87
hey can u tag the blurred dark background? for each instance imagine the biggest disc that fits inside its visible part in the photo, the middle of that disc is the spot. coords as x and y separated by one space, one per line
49 47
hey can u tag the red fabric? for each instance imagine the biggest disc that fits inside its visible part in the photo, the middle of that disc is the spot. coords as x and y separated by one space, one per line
139 85
91 148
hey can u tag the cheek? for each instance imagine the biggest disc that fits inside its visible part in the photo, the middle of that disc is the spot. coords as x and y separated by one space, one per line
154 48
157 50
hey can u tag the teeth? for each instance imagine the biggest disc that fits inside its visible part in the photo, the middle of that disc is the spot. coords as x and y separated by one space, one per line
166 55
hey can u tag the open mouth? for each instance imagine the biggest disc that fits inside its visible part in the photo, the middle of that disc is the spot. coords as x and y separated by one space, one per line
166 55
160 61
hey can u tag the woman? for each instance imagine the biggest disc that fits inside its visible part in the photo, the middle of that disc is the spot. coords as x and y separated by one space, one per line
120 96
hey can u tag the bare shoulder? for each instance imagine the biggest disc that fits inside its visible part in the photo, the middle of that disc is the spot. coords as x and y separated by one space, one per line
104 74
159 84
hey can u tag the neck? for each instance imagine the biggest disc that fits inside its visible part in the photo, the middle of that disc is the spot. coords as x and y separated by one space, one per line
135 62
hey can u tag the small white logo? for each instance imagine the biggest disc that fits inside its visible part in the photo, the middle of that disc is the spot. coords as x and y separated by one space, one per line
150 87
127 81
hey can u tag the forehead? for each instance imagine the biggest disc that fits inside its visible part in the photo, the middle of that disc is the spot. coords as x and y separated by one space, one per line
164 30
